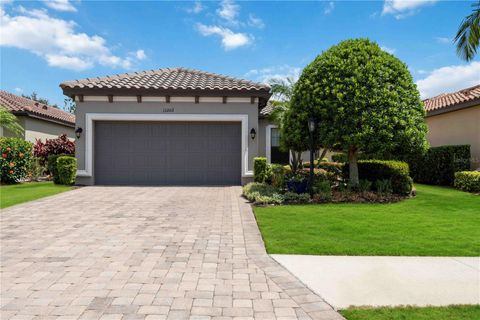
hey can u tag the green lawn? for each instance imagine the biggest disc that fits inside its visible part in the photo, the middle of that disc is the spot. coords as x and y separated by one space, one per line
28 191
414 313
439 221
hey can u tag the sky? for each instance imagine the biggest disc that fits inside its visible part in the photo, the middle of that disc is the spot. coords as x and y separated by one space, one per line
43 43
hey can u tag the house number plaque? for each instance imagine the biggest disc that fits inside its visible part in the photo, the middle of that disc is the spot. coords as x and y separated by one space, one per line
168 110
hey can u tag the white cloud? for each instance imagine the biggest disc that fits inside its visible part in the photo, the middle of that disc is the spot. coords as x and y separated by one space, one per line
56 41
387 49
404 8
60 5
329 7
197 8
443 40
229 11
280 72
230 40
449 79
140 54
255 21
18 90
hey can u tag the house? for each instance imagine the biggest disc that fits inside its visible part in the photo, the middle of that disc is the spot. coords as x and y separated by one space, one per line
171 126
39 121
454 118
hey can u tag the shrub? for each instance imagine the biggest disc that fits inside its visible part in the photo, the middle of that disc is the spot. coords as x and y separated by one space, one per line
36 169
60 145
364 185
260 169
467 181
16 158
383 186
322 190
439 164
339 157
261 193
293 197
53 167
278 175
395 171
67 169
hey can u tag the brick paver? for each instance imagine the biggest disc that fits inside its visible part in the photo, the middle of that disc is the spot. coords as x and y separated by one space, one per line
145 253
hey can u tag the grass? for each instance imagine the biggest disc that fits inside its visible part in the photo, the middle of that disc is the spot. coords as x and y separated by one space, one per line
439 221
462 312
23 192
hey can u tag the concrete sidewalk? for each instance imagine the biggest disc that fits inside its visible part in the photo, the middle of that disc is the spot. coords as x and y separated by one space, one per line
344 280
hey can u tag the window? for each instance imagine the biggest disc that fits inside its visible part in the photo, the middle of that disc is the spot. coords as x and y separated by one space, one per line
275 140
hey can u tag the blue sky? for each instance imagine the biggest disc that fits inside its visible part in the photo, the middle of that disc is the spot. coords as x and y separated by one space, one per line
43 43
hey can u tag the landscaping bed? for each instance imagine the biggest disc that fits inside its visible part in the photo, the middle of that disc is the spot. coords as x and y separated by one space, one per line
439 221
464 312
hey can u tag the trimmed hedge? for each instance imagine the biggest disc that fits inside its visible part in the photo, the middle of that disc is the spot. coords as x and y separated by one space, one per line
467 181
260 169
67 169
339 157
16 159
261 193
439 164
53 168
395 171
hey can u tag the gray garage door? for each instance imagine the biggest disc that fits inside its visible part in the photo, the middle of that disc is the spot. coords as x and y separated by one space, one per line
167 153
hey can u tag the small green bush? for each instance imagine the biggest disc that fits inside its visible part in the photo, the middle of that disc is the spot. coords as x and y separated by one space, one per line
278 175
36 170
16 158
395 171
322 190
364 185
52 166
67 169
261 193
383 186
260 169
293 197
439 164
467 181
340 157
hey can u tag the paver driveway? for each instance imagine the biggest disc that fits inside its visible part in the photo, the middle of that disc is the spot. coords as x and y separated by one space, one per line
145 253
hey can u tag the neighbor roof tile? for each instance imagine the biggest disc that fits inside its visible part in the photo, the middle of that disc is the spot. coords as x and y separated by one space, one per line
17 104
445 101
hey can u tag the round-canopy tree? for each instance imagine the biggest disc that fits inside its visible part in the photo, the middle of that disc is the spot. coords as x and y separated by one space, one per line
363 99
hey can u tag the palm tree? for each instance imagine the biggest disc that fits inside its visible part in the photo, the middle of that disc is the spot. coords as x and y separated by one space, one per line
10 122
468 34
282 91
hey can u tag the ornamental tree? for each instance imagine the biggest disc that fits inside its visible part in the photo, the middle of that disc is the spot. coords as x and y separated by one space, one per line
363 99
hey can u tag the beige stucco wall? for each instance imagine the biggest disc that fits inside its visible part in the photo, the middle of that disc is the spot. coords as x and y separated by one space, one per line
40 129
457 127
157 108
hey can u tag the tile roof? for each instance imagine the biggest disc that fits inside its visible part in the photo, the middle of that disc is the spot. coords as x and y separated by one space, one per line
266 111
446 101
167 79
18 104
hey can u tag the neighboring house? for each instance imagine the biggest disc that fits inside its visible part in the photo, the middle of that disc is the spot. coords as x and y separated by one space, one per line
167 127
454 118
38 120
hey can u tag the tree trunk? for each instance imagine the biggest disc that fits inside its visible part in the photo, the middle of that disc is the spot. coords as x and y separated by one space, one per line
353 166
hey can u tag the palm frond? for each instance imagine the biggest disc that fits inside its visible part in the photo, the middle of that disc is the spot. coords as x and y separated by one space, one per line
10 122
468 34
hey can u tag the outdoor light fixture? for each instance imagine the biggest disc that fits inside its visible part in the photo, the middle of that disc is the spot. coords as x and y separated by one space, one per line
78 132
253 133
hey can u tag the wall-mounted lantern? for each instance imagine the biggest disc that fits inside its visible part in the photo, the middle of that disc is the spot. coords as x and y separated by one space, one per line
253 133
78 132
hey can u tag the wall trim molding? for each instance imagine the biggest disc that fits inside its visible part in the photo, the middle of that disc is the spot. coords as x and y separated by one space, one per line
173 99
90 118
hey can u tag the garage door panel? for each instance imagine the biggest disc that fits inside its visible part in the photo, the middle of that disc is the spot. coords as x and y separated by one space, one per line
167 153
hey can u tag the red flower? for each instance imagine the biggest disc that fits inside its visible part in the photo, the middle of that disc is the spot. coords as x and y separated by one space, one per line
12 164
11 171
4 155
8 149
